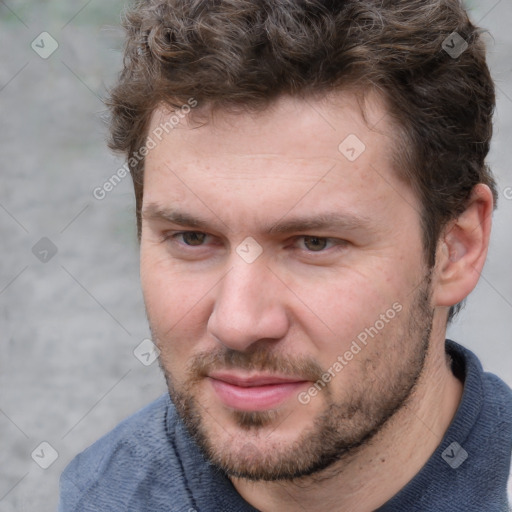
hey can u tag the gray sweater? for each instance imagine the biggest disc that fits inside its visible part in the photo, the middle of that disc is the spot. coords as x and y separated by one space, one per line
148 463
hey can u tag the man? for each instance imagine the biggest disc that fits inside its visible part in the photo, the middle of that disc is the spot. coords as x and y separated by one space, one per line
313 206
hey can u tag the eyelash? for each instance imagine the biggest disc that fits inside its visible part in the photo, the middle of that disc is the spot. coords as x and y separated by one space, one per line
334 241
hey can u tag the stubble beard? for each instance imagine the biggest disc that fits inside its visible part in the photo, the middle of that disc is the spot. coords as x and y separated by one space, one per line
336 433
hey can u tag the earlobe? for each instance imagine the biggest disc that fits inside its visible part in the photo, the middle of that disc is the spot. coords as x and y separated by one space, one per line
462 249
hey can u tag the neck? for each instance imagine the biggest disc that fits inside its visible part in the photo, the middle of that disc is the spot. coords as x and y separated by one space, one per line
366 480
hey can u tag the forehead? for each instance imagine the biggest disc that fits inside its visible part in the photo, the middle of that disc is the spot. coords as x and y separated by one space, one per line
283 126
298 153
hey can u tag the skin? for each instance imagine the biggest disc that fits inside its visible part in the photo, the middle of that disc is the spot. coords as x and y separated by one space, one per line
303 301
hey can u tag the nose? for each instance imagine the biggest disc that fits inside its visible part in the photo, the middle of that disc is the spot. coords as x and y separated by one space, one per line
249 307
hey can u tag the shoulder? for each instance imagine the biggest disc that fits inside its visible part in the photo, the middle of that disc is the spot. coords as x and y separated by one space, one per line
495 394
483 425
498 396
137 455
487 400
138 433
498 405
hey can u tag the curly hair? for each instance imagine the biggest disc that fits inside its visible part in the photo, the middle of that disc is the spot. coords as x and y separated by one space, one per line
244 54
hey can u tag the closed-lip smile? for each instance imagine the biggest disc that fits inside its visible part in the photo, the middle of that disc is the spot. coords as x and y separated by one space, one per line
257 392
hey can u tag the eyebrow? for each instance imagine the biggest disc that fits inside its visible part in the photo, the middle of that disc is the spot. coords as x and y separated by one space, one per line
319 222
155 212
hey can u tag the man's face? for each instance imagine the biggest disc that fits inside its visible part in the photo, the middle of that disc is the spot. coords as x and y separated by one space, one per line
284 282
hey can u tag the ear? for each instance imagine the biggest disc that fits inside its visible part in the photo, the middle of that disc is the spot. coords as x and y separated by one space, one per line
462 249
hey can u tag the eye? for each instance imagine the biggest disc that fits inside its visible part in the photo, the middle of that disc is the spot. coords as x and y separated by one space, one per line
311 244
315 243
192 238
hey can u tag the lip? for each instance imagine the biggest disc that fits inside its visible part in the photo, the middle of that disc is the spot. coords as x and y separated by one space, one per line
254 392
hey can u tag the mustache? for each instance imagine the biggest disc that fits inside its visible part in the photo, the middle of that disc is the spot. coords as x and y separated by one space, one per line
261 360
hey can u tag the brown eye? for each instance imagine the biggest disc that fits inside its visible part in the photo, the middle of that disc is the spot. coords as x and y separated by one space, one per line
315 243
193 237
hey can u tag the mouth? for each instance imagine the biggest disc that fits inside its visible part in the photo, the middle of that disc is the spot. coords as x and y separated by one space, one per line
254 392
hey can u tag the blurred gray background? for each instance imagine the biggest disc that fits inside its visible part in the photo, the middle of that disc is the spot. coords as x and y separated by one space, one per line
70 304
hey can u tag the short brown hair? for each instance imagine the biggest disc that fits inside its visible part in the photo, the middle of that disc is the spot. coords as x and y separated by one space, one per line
247 53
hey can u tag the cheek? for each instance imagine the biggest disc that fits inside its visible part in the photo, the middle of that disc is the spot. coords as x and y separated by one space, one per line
341 307
176 303
365 330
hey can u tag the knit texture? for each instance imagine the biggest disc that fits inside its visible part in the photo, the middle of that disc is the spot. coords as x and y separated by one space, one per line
149 462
